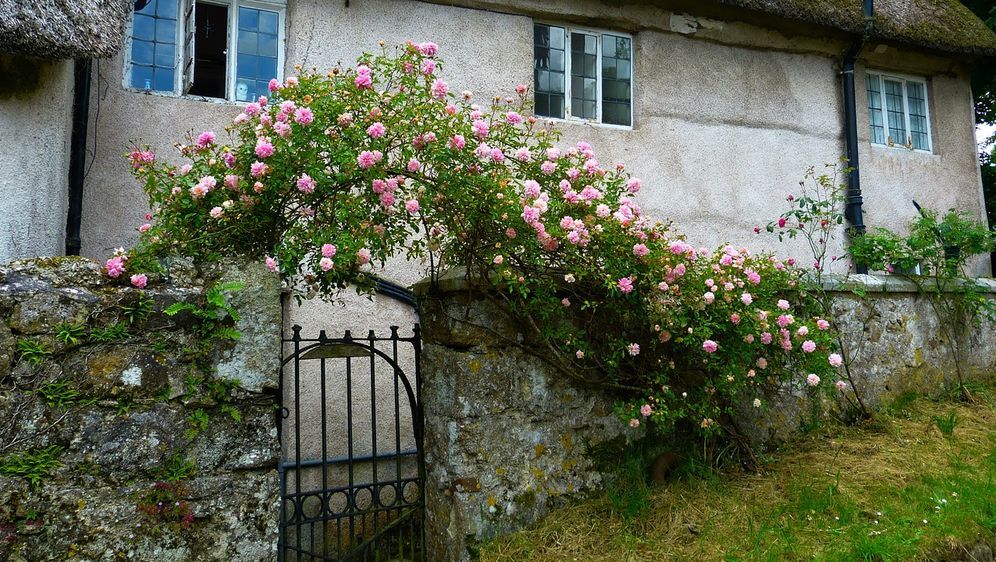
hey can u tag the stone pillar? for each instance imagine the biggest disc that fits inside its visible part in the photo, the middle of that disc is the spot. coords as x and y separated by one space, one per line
507 438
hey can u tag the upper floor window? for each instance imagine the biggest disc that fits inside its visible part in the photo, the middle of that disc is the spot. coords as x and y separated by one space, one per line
897 111
583 74
227 49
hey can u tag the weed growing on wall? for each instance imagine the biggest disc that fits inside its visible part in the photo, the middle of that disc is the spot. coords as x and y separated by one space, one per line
335 172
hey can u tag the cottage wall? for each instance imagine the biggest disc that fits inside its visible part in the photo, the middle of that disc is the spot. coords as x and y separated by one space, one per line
728 115
36 101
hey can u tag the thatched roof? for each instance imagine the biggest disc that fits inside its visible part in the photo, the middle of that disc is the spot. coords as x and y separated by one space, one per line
944 25
61 29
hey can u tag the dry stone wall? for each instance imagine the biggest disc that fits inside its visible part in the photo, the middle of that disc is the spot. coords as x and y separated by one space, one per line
135 457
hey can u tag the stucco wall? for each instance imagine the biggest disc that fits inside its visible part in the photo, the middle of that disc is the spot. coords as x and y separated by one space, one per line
36 106
727 116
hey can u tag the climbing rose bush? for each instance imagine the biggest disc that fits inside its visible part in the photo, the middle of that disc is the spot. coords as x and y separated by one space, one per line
333 173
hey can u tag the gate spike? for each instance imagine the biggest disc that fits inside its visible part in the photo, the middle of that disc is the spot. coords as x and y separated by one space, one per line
370 335
348 335
297 332
322 337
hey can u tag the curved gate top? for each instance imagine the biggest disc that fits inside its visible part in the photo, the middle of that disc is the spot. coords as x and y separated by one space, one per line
352 472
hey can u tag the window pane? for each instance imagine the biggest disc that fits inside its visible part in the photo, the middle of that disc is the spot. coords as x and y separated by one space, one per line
875 109
268 45
165 55
616 80
548 56
257 36
267 68
557 60
916 92
144 27
141 77
896 111
166 31
248 66
557 82
211 50
247 42
149 8
583 76
142 52
163 79
542 104
248 18
268 22
153 46
165 8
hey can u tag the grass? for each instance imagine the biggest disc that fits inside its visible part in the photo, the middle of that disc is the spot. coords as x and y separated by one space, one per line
919 483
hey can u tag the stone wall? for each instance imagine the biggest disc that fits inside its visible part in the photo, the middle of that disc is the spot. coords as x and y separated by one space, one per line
117 423
897 344
508 438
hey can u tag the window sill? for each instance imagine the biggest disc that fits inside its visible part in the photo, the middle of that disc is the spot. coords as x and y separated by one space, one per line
573 121
173 95
901 149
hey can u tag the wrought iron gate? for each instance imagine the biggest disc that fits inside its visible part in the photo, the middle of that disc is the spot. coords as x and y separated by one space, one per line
347 492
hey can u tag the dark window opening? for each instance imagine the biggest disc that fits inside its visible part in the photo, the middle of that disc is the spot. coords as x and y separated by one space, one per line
210 50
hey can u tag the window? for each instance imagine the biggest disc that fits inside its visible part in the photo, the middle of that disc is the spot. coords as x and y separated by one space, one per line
583 74
227 49
897 111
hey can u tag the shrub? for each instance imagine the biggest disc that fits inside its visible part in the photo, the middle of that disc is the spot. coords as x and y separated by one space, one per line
336 171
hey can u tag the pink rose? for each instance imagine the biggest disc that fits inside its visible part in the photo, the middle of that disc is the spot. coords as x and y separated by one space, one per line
710 346
139 280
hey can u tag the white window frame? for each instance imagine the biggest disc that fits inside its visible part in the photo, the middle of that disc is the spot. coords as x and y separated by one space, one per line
597 32
904 79
278 6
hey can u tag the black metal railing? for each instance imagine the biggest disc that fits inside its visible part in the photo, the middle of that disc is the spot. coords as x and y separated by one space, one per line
368 503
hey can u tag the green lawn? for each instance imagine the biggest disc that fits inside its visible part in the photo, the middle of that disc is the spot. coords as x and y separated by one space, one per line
903 487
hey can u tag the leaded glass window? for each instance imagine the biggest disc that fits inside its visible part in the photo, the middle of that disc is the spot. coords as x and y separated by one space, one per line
153 46
897 111
583 74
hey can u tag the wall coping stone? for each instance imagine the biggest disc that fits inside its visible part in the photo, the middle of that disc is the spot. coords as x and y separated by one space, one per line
878 283
455 280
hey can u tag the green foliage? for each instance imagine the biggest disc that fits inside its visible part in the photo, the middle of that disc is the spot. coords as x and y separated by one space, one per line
197 421
946 424
69 333
937 246
176 468
59 394
33 350
139 310
215 315
115 332
124 405
34 466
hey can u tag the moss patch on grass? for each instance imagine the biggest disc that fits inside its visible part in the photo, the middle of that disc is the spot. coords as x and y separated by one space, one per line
897 489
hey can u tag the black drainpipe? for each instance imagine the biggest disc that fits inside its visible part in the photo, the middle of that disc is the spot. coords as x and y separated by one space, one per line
853 211
77 154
